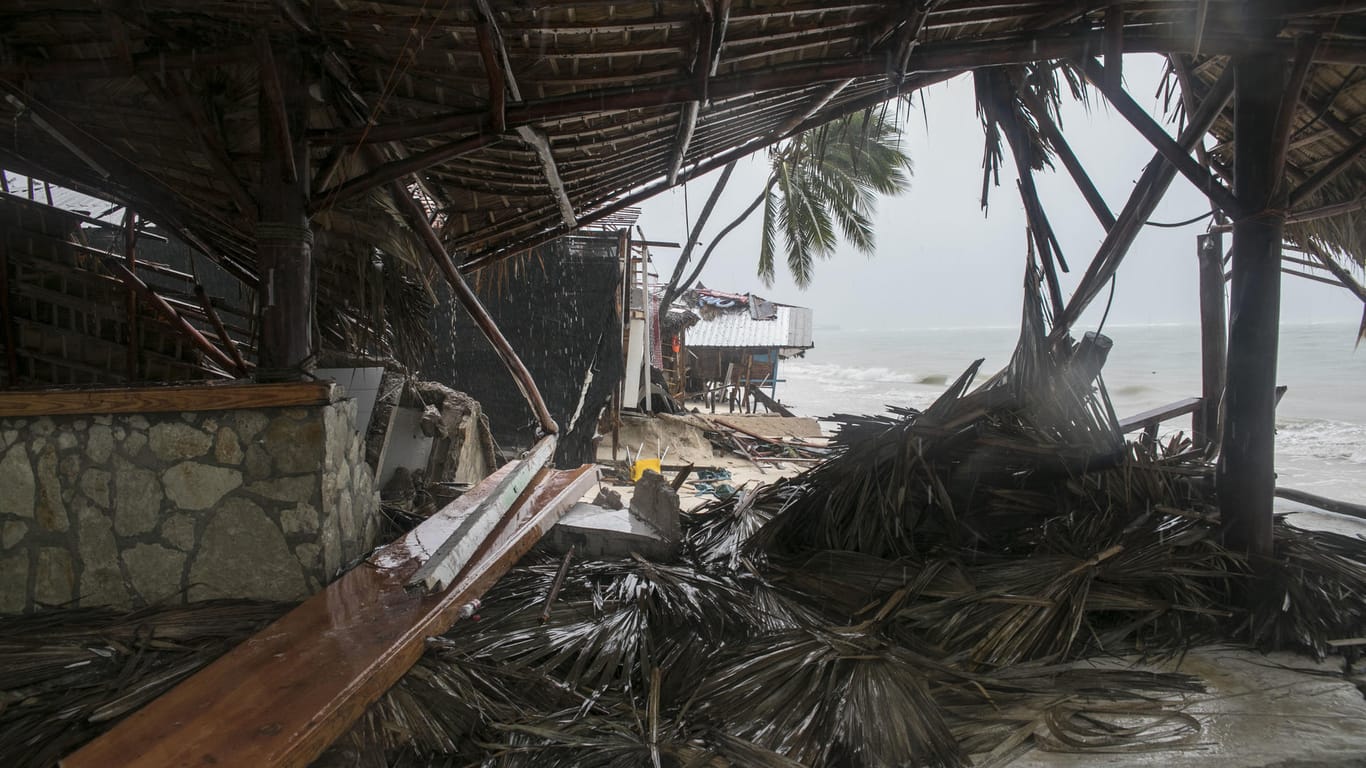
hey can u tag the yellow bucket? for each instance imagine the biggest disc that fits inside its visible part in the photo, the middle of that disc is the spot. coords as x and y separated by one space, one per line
640 466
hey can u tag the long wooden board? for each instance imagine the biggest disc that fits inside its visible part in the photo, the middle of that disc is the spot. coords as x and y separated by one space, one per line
284 695
180 397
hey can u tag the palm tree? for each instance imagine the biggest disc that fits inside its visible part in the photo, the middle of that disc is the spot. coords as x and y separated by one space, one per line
821 184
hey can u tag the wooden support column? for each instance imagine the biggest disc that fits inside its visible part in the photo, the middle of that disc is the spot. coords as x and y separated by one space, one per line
1246 476
1213 337
6 323
130 239
284 240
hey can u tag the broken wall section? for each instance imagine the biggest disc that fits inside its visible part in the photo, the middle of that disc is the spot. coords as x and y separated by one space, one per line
128 510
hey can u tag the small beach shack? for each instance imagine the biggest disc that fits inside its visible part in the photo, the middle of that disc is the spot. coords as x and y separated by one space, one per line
738 341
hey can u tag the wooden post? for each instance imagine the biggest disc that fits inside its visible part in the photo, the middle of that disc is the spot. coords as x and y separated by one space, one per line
284 241
1246 474
11 354
1213 340
130 239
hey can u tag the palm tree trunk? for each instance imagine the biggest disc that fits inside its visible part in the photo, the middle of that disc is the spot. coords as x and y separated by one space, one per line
702 262
671 289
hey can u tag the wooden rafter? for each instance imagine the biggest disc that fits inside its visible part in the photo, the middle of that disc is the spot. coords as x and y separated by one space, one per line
711 35
1114 46
178 93
535 138
926 59
417 219
1169 148
1290 105
1148 192
1328 172
497 80
393 170
1075 169
274 95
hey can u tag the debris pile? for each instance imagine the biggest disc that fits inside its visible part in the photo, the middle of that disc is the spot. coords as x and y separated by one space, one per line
930 596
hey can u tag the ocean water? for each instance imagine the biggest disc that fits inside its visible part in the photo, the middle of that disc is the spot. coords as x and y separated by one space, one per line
1321 421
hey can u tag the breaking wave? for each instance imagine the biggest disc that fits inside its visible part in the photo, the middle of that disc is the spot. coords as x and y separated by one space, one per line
1322 439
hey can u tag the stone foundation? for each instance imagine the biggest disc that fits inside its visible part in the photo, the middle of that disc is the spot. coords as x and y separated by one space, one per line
128 510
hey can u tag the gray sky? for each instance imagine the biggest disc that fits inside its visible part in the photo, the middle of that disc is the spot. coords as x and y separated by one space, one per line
942 263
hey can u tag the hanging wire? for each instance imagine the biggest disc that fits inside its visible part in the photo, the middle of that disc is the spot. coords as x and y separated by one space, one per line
1175 224
1108 301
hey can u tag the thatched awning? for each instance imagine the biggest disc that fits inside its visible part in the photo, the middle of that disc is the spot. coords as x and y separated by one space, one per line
526 120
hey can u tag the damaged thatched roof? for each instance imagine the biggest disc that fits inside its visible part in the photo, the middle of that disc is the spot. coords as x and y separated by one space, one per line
527 119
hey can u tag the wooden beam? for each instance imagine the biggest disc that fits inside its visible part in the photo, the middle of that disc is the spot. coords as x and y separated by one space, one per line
417 219
1328 172
1245 476
1160 414
1055 139
394 170
1147 193
282 697
239 363
130 251
533 137
817 119
926 59
204 396
1326 211
1114 46
62 137
284 238
1323 502
273 101
711 35
6 321
1290 103
1170 149
1213 338
153 195
448 560
497 80
210 140
687 123
1311 276
1341 273
169 314
541 143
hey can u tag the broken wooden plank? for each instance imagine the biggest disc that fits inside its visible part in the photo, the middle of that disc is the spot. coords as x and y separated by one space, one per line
451 556
280 698
204 396
1160 414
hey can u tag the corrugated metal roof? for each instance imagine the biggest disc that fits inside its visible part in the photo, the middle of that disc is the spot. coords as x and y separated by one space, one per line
791 329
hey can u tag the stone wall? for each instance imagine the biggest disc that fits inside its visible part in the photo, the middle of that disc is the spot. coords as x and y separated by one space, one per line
128 510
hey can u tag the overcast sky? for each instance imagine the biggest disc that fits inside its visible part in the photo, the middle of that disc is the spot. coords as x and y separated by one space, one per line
942 263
